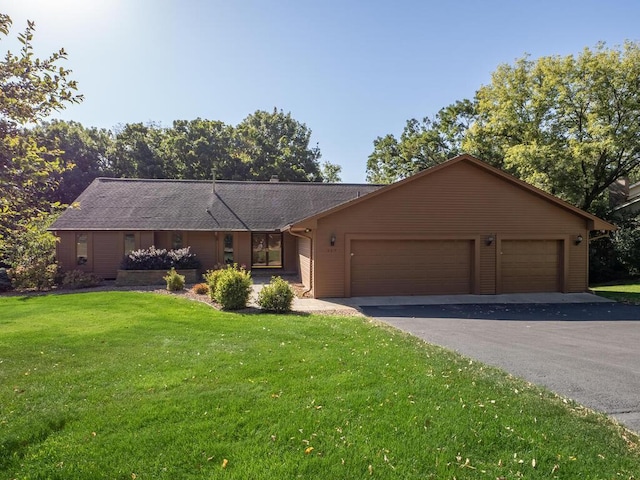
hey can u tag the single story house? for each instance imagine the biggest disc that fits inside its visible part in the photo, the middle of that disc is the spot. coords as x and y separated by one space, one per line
459 227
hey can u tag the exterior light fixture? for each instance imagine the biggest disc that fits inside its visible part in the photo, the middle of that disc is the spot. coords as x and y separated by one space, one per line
307 230
333 240
579 239
490 240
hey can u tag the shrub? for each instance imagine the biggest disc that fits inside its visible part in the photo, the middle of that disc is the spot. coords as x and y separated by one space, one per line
39 274
175 281
5 281
201 288
232 287
211 278
160 259
277 296
80 279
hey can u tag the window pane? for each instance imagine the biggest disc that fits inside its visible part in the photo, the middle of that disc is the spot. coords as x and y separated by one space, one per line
275 250
228 249
176 241
259 249
129 243
81 248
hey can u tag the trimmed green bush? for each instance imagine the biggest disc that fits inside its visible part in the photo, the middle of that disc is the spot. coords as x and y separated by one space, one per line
80 279
175 281
277 296
211 278
232 287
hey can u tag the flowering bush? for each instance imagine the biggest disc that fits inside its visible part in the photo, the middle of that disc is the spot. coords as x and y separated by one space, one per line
160 259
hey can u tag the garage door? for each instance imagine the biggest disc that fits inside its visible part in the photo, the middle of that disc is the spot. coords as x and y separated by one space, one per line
531 266
410 267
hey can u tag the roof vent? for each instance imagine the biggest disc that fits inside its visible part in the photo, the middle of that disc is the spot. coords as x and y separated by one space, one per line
274 178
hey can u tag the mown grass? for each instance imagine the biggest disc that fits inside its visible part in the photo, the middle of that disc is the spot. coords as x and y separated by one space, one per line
126 385
625 292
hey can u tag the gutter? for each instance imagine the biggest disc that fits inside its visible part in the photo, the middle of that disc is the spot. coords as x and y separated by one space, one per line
295 234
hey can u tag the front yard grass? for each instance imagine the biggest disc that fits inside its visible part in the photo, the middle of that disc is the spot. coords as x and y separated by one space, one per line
137 385
624 292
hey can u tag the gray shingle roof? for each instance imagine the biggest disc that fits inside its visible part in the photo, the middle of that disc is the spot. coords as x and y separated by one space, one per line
128 204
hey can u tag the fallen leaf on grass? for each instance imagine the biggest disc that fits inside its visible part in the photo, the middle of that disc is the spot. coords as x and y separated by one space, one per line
308 450
225 462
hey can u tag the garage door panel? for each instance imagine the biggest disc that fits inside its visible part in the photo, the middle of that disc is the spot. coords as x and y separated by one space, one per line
410 267
531 266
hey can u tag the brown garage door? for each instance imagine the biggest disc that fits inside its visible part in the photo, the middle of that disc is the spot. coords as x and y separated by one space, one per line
410 267
531 266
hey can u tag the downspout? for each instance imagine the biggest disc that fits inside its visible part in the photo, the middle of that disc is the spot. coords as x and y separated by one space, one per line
310 258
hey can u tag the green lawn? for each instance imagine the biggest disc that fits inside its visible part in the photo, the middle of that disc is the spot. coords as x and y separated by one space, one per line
626 292
125 385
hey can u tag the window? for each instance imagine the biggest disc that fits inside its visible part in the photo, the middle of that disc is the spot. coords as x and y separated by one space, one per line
129 243
266 250
82 241
227 253
176 240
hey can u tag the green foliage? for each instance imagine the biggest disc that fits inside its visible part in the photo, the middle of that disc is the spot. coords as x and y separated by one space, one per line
201 289
232 287
422 144
5 280
78 279
32 254
175 281
38 275
566 124
160 259
277 296
211 278
31 90
260 390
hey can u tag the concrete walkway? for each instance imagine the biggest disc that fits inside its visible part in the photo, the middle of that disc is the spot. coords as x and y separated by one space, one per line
353 304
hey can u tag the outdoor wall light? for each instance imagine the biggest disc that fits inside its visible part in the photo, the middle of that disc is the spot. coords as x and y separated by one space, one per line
490 240
333 240
579 239
307 230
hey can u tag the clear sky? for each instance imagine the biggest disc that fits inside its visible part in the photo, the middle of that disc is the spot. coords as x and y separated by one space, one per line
350 70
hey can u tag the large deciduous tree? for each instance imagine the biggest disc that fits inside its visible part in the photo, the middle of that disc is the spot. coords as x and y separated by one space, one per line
31 89
276 144
569 125
422 144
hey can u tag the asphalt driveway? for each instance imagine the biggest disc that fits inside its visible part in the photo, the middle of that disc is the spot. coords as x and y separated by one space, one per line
589 352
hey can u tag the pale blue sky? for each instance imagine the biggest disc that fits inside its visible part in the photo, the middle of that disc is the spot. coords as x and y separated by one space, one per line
349 70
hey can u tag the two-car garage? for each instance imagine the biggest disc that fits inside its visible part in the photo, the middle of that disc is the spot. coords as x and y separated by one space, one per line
447 266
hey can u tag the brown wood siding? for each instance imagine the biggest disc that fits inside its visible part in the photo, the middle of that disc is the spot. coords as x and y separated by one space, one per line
290 255
304 261
411 267
242 245
531 266
204 245
107 252
146 239
487 266
462 200
66 251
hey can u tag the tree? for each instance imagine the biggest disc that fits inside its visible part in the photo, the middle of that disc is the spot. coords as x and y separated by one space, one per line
31 89
83 153
331 172
276 144
569 125
421 145
136 152
194 149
